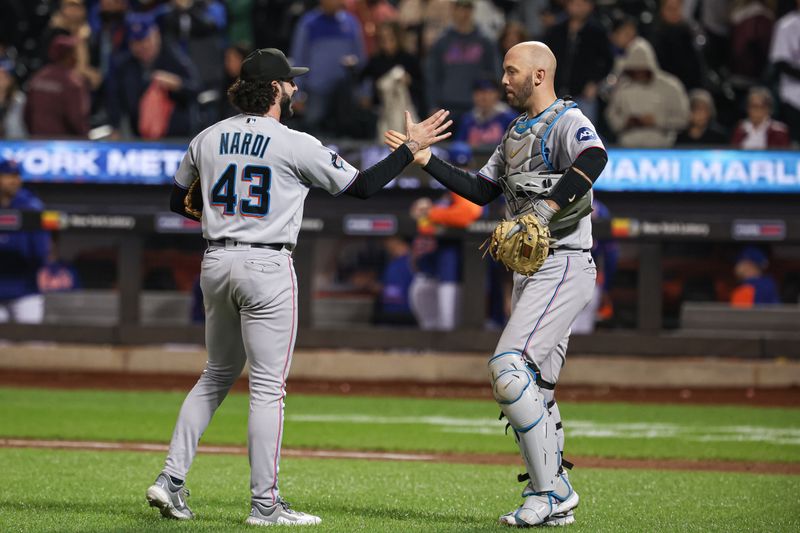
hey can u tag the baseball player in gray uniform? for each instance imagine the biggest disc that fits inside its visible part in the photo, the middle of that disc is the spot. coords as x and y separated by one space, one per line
254 174
547 163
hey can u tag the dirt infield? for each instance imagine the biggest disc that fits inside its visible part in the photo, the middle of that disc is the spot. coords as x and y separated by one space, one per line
785 397
463 458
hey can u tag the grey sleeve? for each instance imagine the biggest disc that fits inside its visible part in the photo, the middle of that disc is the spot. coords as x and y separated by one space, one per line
319 166
187 170
575 134
495 167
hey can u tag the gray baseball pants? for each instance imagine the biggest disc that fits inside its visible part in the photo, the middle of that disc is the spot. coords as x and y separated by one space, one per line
250 298
543 307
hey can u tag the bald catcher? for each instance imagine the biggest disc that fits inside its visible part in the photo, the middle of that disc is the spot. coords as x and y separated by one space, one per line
546 165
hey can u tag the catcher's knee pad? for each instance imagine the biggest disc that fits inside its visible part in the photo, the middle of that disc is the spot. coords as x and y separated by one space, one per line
515 390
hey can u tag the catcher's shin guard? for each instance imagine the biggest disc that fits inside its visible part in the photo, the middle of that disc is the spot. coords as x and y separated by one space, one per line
515 390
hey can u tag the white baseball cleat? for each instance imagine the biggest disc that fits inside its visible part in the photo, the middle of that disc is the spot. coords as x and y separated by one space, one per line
561 519
279 514
553 508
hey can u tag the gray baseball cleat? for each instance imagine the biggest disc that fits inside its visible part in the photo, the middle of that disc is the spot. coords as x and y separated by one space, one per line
279 515
169 498
554 508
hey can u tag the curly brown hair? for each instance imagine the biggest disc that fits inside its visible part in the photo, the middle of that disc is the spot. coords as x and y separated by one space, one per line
254 97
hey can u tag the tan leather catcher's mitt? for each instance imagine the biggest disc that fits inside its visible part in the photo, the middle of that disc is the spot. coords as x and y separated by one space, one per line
521 244
193 201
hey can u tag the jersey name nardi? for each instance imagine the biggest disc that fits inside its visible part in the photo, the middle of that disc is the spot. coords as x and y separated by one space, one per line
236 143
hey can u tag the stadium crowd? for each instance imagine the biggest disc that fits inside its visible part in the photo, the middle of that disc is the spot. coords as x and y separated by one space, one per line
650 74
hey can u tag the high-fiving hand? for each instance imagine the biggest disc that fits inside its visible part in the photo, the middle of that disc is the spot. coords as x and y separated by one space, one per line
419 137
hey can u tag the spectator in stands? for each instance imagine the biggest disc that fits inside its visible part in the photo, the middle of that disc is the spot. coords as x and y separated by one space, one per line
583 52
58 102
70 20
197 27
56 275
435 292
21 253
713 17
152 69
512 34
623 33
755 287
371 14
327 39
751 34
392 305
759 131
392 81
785 59
535 16
486 123
390 54
674 42
424 21
459 58
234 55
703 127
240 22
109 38
12 103
648 106
489 19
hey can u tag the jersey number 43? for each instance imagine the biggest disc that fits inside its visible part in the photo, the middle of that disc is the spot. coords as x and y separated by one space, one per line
223 193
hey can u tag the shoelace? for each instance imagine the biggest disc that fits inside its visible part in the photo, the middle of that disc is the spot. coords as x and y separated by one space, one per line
286 506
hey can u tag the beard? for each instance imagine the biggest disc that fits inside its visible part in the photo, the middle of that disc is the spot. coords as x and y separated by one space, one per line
286 107
519 100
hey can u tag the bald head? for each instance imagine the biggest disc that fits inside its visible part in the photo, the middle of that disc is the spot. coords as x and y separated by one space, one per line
533 55
529 71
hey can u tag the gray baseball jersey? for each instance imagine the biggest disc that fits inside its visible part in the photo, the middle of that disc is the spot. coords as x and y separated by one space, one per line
568 135
545 304
255 174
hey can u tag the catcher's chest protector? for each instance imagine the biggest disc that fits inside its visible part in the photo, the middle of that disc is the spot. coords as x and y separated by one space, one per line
525 141
525 150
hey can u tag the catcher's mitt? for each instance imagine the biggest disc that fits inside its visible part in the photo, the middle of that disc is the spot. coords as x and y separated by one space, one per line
193 201
521 244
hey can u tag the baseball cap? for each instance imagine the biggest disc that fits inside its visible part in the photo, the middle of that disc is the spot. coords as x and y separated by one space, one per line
485 83
140 25
268 64
460 153
754 255
60 47
9 166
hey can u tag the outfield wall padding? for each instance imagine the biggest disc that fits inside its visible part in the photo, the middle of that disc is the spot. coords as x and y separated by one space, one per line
343 365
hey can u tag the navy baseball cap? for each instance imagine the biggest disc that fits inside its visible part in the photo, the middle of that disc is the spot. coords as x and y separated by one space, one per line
268 64
9 166
754 255
460 153
485 83
140 25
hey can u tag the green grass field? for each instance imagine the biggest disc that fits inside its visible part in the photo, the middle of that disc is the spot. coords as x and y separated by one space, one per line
54 490
394 424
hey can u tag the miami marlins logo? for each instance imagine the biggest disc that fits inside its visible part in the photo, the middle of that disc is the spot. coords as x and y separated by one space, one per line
337 161
585 134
